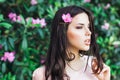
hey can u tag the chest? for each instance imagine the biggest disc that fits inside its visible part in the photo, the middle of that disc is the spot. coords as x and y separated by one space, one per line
82 76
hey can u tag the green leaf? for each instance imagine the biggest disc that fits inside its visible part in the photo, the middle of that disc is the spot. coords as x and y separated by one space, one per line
3 67
1 17
11 41
36 25
24 42
111 39
32 9
1 1
22 20
100 40
5 44
29 22
57 4
41 33
6 25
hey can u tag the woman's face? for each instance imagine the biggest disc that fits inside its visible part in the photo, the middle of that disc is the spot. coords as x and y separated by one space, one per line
78 33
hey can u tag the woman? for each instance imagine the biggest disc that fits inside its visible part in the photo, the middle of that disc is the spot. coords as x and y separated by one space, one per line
73 52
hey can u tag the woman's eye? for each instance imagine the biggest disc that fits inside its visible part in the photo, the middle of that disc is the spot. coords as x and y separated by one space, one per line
79 27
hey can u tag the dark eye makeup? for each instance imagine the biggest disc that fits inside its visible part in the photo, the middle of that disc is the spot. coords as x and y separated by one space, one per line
79 27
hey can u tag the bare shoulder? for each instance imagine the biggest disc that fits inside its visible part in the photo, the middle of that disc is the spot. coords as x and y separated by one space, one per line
38 74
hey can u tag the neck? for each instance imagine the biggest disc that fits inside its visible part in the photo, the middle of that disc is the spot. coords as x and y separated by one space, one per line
76 64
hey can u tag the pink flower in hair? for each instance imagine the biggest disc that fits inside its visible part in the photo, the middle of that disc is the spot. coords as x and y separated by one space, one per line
67 18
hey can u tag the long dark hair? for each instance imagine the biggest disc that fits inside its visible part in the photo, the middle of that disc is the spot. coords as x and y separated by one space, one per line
57 55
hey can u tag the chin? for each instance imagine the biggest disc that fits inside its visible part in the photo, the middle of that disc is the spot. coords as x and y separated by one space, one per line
86 48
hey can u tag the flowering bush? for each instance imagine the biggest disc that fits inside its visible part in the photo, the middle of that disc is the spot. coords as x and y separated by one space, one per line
24 34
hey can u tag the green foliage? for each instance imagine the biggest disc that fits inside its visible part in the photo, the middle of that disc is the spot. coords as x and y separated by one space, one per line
30 41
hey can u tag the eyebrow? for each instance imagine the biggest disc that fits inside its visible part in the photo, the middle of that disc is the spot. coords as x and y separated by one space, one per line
80 23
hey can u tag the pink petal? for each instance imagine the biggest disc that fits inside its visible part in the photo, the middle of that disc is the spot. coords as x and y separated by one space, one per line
11 57
63 16
3 58
106 26
33 2
6 54
14 19
42 22
12 15
87 0
19 18
107 6
33 21
67 17
36 21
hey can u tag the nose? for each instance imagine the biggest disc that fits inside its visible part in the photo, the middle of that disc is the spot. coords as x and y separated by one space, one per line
88 32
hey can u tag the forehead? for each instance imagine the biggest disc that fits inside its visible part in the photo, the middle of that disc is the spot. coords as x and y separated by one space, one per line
80 18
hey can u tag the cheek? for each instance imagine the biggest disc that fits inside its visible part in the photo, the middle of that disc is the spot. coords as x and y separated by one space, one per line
71 35
74 36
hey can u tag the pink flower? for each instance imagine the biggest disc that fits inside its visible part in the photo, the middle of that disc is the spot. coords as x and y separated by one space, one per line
106 26
33 2
3 58
38 21
87 0
67 18
42 22
14 19
12 16
35 21
107 6
27 19
8 56
19 18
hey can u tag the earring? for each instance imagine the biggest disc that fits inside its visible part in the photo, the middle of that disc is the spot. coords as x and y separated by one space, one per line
81 54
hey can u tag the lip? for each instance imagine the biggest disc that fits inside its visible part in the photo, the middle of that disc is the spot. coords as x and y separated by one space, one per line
87 42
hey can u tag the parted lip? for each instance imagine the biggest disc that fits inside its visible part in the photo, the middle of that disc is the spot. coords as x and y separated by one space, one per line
87 42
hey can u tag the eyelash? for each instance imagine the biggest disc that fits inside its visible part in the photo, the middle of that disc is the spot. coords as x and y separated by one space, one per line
79 27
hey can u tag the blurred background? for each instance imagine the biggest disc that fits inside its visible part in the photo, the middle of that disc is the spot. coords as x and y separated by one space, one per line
24 34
